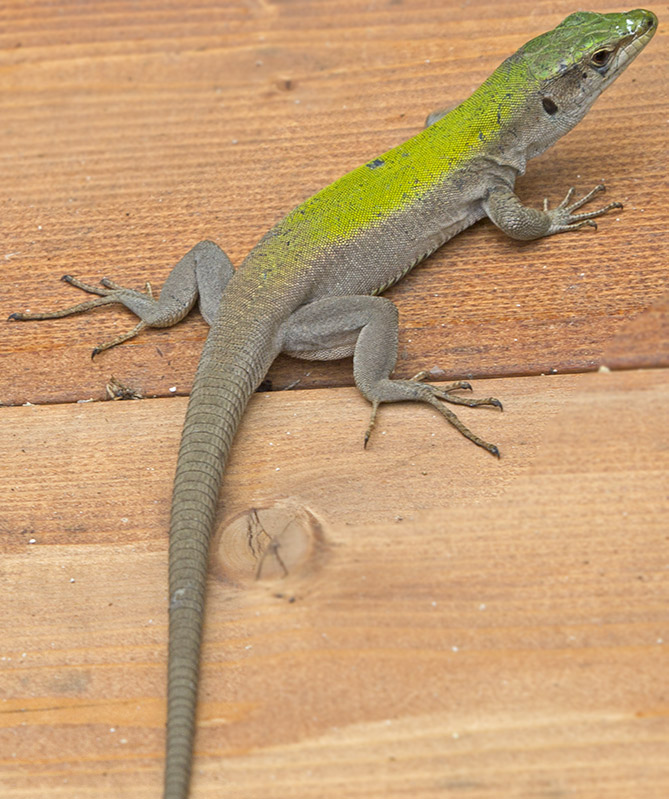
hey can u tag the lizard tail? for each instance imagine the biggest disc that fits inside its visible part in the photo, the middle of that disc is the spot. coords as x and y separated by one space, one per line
228 374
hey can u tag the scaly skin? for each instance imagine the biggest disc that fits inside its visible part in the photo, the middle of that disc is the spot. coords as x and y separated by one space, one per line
307 287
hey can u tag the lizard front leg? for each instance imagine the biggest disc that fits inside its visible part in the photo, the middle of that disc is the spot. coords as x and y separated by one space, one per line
506 211
203 272
367 328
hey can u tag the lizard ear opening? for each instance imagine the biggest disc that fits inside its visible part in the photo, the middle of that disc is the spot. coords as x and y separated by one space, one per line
550 107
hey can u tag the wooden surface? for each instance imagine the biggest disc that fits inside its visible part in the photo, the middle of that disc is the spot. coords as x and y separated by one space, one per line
416 619
450 625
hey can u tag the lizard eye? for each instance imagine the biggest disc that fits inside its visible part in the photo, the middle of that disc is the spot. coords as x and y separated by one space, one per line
601 58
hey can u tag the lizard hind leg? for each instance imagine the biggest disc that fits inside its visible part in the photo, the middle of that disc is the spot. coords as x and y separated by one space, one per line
203 272
367 328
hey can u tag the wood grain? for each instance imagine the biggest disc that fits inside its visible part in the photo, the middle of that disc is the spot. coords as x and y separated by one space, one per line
463 627
128 133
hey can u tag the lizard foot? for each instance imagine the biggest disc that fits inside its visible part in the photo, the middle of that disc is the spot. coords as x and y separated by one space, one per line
562 217
435 396
110 293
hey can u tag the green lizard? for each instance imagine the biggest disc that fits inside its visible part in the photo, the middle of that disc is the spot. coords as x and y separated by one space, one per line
308 287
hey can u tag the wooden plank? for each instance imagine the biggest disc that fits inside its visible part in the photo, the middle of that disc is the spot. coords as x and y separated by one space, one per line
448 625
129 132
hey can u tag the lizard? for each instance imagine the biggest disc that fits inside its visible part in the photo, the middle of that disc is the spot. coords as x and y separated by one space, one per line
311 287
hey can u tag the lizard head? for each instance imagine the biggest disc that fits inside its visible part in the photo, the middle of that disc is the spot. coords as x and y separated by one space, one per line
587 51
555 78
